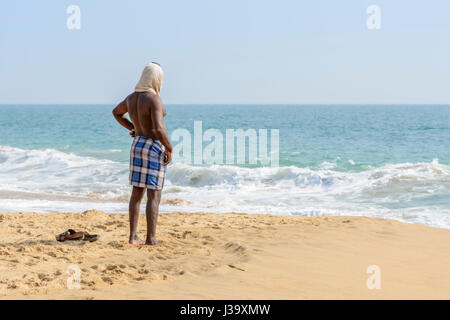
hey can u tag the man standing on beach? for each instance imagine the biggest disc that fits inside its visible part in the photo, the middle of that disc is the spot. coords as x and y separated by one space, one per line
151 150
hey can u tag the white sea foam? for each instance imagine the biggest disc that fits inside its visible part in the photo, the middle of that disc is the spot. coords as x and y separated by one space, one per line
52 171
414 192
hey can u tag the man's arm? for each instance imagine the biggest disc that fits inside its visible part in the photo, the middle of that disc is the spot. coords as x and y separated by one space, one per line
158 125
119 113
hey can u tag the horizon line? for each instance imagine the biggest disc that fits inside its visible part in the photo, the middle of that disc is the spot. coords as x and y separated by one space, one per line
240 104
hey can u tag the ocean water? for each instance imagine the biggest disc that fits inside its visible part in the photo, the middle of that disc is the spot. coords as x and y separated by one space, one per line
378 161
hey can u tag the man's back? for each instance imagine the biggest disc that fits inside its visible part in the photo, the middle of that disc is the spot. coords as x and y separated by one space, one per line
139 105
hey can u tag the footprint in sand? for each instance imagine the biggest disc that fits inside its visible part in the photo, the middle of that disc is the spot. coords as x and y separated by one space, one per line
108 280
143 271
190 234
116 244
111 267
51 254
235 247
45 277
89 283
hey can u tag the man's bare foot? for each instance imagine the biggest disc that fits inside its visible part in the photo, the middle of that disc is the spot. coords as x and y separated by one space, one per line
136 240
152 241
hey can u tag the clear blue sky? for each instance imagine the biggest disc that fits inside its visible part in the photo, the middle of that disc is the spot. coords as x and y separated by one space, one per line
232 51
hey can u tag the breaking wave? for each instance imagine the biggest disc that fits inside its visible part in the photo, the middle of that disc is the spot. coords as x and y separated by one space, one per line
417 192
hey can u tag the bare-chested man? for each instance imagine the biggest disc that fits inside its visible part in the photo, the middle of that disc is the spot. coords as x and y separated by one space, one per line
151 150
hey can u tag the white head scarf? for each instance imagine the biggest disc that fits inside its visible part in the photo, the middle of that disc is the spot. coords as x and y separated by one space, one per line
151 79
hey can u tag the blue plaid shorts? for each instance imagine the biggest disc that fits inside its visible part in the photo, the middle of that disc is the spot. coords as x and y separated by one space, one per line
146 163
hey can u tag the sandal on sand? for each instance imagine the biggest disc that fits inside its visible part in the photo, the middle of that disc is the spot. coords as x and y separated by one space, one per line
73 235
70 235
90 237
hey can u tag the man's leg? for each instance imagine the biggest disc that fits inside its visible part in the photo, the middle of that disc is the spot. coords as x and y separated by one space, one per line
153 199
133 210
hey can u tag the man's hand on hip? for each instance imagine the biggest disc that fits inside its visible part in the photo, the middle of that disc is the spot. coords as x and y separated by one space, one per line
167 157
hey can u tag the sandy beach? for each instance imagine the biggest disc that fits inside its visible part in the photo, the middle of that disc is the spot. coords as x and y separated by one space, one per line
223 256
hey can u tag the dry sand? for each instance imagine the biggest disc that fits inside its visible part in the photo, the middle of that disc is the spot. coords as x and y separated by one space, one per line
223 256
